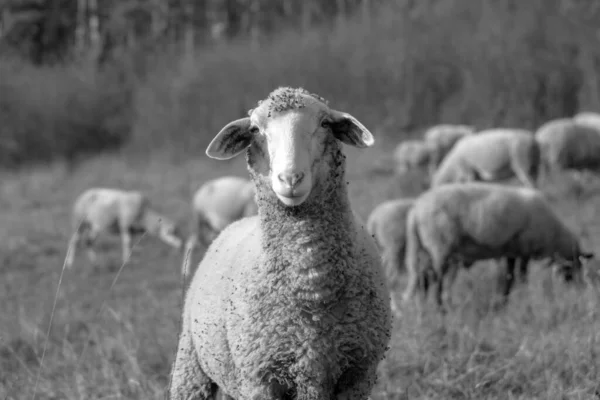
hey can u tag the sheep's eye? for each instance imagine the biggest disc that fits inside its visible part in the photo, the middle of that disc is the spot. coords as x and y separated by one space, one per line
325 123
254 130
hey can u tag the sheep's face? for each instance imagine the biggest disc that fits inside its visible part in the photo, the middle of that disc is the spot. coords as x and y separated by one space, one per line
288 134
170 234
571 271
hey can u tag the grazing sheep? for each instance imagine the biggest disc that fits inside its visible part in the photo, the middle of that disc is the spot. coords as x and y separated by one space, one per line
444 137
567 145
412 154
387 225
478 221
216 204
116 211
491 155
588 118
290 303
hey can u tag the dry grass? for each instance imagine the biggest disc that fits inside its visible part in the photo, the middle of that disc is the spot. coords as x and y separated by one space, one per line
545 345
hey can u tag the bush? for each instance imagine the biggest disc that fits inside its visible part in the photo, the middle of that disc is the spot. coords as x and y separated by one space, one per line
59 112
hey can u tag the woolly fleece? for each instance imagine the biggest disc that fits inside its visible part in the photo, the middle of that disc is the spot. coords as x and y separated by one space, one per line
290 303
444 137
491 155
410 154
479 221
387 225
566 144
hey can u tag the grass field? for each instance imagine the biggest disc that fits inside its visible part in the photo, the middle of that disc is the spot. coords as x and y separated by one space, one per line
119 343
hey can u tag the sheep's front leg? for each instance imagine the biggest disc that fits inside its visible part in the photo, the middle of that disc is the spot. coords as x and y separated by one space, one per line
188 380
509 278
90 239
126 242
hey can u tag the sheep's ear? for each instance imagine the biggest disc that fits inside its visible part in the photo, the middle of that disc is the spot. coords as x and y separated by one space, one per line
348 130
234 138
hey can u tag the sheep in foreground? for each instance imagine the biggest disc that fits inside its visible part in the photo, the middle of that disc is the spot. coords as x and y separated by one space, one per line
491 155
215 205
479 221
290 303
443 137
412 154
568 145
115 211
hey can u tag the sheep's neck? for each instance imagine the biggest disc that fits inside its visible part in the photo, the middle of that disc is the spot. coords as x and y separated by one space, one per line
308 249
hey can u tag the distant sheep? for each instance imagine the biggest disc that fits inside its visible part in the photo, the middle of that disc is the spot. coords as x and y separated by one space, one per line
215 205
568 145
480 221
491 155
290 303
412 154
588 118
115 211
387 225
444 137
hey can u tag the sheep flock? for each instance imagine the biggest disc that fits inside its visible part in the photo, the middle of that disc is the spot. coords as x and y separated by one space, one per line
292 295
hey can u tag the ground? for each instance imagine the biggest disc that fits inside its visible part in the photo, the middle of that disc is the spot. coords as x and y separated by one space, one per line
114 332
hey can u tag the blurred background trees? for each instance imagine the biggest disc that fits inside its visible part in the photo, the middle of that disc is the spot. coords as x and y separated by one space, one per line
50 31
83 76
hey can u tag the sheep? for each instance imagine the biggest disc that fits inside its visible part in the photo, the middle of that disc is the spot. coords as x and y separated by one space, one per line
216 204
412 154
291 303
588 118
116 211
443 137
478 221
387 225
491 155
568 145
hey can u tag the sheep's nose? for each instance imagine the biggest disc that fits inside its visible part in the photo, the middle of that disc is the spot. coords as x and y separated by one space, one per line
291 180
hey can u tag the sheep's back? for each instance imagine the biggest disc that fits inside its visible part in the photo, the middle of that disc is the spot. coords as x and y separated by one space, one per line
222 202
99 207
412 152
486 214
569 145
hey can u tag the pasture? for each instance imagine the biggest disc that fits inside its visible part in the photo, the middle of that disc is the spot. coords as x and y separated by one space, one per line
115 330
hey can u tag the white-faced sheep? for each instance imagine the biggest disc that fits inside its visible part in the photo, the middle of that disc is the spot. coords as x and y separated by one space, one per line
290 303
215 205
479 221
444 137
115 211
491 155
412 154
567 145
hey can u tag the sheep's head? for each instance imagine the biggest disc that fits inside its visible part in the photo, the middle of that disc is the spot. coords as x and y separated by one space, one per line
571 271
288 137
164 228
